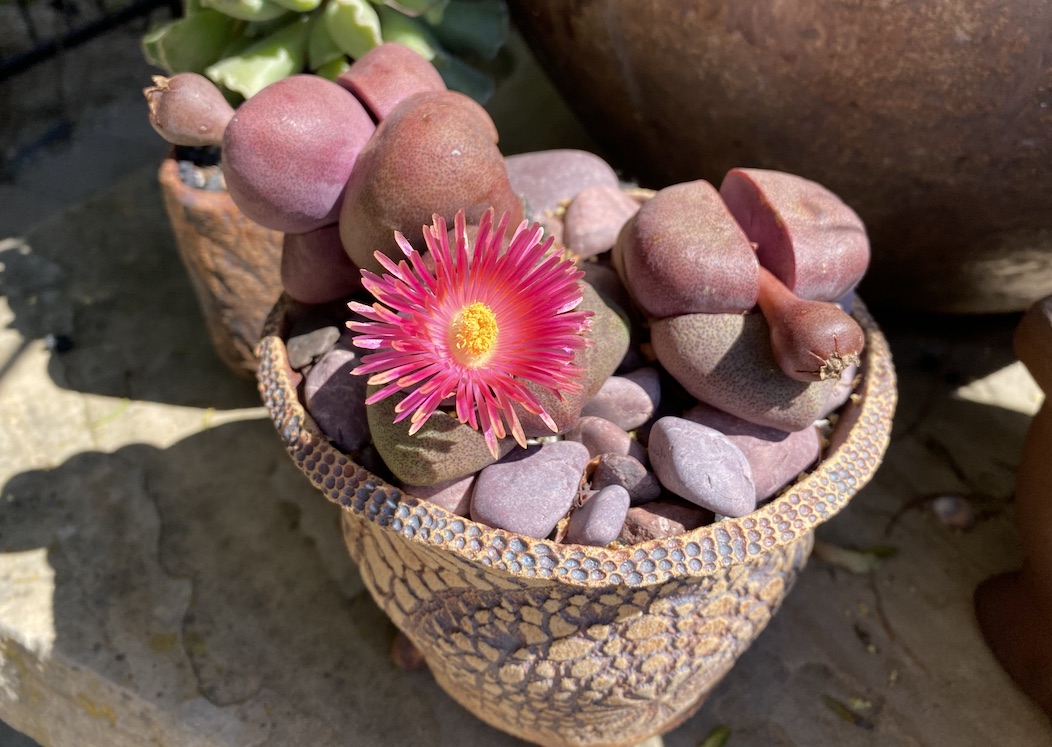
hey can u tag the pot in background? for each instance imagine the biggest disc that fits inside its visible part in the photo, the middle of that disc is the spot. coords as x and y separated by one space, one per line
933 120
234 265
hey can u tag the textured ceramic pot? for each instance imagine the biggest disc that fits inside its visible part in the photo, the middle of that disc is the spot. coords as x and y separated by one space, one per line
933 120
563 644
234 265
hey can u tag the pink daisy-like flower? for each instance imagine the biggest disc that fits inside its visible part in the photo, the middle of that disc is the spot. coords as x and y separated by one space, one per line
479 328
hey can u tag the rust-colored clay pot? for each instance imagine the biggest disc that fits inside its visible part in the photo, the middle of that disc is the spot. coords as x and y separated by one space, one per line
1015 609
564 644
932 119
234 265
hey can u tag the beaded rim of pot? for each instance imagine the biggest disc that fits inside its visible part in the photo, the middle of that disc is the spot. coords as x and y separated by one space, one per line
857 446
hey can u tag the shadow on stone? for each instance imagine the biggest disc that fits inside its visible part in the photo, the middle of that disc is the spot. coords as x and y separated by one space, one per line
104 280
210 582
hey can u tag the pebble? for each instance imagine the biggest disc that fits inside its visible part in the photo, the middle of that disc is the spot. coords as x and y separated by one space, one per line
599 520
628 400
544 179
662 518
335 398
628 473
700 464
600 436
954 511
452 495
307 343
594 218
776 457
529 491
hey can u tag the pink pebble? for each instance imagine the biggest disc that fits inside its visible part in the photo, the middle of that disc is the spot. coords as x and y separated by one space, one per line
594 218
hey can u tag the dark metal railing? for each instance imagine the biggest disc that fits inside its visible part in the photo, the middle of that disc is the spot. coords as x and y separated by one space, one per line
81 24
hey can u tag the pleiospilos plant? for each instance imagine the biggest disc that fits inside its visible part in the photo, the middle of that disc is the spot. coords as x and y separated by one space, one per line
672 361
245 45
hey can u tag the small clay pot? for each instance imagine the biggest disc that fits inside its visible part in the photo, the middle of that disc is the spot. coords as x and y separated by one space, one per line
563 644
234 265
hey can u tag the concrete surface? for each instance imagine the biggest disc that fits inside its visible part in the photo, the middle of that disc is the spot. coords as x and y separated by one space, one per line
167 577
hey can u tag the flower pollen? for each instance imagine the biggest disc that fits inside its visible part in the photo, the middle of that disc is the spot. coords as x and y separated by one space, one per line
474 331
491 323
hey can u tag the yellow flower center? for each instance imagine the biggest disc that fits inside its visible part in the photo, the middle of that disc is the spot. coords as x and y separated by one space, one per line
474 332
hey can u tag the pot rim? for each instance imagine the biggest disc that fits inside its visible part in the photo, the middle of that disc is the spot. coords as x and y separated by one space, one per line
856 448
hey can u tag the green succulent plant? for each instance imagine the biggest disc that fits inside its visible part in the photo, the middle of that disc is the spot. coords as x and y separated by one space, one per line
245 45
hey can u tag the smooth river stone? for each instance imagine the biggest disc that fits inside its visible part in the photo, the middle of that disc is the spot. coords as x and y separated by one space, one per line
663 518
701 465
630 474
452 495
600 436
529 491
594 219
443 449
599 521
545 179
309 340
628 400
335 398
776 457
726 361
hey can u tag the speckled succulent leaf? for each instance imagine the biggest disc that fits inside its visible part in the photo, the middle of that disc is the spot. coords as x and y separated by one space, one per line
478 328
353 25
247 10
269 60
190 44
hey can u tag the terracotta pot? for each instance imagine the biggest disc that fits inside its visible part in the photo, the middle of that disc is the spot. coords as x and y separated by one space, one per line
1014 610
932 119
565 644
234 265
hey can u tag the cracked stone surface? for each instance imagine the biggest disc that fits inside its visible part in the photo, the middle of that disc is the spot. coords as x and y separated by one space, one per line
168 578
